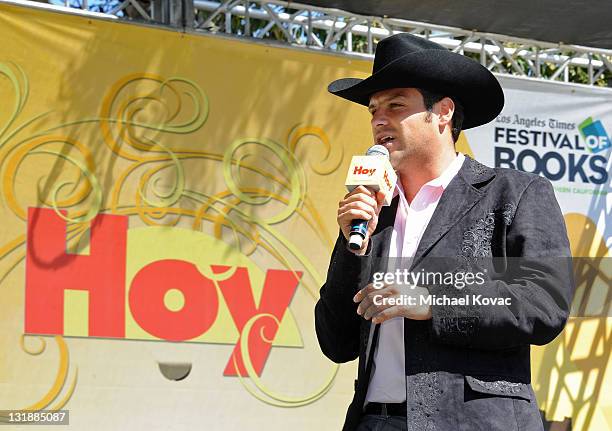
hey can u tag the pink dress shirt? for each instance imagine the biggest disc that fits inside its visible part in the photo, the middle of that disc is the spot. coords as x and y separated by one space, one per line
388 382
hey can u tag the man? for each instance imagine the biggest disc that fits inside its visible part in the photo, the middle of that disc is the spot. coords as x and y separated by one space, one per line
442 366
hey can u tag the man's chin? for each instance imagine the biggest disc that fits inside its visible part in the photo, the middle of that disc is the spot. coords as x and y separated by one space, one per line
395 159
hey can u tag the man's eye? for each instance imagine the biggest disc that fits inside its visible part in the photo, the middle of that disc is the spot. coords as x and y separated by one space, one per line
395 105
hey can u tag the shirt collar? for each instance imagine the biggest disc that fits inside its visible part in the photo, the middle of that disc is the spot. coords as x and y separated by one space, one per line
443 180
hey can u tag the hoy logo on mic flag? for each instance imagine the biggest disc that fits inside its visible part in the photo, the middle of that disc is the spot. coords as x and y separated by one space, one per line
375 173
360 170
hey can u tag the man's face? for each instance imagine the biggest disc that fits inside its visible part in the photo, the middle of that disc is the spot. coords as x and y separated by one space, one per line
401 123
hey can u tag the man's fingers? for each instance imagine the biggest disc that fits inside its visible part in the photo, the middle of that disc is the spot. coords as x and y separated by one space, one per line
357 206
374 310
373 304
363 292
360 197
360 189
360 204
387 313
355 214
359 296
380 198
366 297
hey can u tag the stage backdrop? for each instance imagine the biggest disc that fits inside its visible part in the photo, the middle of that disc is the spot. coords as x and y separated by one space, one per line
168 209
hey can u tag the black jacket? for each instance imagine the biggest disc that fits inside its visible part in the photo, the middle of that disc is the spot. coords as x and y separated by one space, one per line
467 368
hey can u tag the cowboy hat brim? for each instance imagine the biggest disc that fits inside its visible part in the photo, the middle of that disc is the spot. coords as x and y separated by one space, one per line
437 70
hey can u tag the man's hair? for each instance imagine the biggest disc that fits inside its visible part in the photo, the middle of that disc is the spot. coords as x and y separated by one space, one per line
430 98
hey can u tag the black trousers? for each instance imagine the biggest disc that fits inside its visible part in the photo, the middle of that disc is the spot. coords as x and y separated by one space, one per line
382 423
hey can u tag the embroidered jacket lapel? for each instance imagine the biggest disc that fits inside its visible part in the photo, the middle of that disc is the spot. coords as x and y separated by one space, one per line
459 197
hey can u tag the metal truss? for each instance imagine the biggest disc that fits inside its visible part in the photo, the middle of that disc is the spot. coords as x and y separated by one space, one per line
165 12
341 32
130 9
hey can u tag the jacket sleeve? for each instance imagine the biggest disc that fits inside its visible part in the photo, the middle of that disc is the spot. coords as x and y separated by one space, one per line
336 320
537 282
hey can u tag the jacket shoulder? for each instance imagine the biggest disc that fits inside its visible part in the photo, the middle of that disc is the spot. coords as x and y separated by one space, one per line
481 175
510 184
516 175
519 179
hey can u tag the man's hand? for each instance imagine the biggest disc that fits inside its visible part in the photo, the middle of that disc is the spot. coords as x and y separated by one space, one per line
363 204
374 303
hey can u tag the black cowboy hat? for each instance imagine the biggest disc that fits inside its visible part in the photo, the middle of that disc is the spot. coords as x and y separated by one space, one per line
405 60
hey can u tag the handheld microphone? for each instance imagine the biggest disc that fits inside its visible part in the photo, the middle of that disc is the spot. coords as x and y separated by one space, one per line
375 172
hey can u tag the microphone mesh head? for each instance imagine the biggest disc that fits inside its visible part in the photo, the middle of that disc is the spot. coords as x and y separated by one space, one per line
378 150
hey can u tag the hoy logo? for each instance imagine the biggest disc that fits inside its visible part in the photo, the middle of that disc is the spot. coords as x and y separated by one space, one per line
218 301
360 170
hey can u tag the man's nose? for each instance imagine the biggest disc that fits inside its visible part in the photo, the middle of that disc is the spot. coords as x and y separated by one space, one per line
379 119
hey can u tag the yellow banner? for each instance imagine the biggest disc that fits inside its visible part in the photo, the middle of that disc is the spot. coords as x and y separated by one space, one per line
168 205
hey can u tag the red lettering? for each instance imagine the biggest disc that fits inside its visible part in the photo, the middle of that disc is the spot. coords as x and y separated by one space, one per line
278 290
147 293
50 271
386 177
360 170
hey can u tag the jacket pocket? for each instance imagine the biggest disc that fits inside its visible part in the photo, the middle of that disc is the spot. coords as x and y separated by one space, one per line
488 385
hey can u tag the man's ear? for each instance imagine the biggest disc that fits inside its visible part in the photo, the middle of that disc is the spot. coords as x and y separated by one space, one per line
445 111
